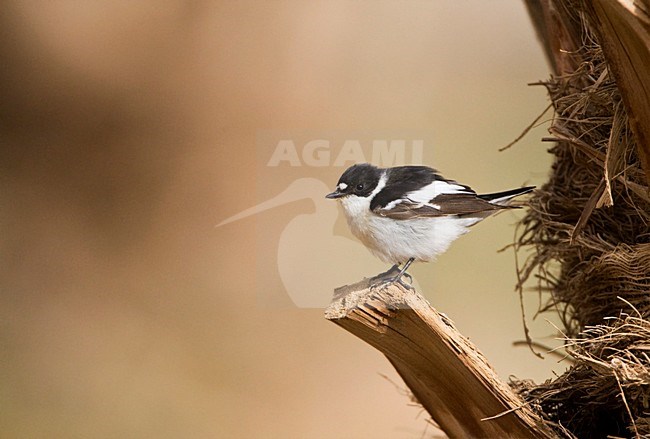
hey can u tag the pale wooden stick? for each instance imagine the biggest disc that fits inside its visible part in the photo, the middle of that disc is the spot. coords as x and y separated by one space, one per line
444 371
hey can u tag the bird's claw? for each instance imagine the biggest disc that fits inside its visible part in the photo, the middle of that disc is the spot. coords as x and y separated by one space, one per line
408 285
383 279
383 283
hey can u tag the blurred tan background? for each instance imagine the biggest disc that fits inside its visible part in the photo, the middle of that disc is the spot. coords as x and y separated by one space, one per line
129 129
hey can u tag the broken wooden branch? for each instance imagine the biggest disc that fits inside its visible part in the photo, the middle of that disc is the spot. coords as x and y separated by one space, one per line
444 371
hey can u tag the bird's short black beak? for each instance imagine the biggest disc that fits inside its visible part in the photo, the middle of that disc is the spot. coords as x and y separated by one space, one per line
334 195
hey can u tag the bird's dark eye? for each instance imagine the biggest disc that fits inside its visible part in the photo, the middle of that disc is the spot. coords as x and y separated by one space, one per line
360 187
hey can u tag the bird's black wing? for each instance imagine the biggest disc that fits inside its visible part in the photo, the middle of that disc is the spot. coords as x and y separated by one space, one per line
419 191
459 204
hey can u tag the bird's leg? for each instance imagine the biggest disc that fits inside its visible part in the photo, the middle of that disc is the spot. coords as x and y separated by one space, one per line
403 272
398 278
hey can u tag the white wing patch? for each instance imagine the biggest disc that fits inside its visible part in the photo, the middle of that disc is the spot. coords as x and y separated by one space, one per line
437 187
424 196
393 203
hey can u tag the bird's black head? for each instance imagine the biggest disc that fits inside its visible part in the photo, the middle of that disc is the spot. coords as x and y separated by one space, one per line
358 180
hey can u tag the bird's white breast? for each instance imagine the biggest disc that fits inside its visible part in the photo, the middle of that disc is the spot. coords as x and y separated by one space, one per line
395 241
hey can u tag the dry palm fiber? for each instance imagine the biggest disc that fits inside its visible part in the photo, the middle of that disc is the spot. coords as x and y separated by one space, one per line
589 231
608 386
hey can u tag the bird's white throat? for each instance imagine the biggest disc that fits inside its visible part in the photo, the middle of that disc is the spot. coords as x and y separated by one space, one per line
355 207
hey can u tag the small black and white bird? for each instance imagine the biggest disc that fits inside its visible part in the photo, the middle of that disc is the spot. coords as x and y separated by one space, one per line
411 213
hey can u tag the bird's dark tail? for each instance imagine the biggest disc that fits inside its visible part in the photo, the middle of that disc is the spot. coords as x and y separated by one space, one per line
503 198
